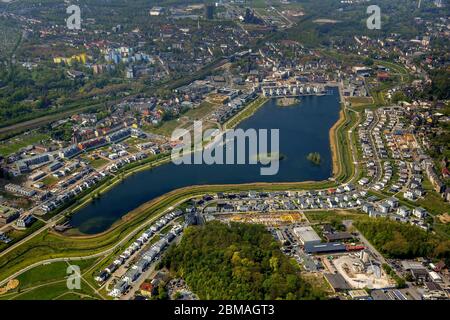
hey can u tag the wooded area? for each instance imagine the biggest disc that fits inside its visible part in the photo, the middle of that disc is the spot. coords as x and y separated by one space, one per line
398 240
238 261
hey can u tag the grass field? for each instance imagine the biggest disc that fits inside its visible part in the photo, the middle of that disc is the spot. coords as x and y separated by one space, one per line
360 101
98 163
50 272
396 69
346 165
400 75
433 202
202 110
437 207
184 120
338 215
49 180
48 245
167 127
74 296
15 144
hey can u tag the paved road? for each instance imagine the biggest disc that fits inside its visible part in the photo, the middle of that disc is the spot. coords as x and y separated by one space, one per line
97 255
135 287
48 225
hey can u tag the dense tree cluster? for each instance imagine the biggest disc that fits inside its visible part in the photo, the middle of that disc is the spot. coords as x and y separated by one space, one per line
440 87
236 261
24 92
399 240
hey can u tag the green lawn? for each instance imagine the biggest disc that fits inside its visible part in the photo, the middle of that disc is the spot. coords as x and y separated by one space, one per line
167 127
433 202
54 291
360 101
98 163
47 282
50 272
202 110
74 296
134 141
258 3
166 229
15 144
396 68
42 274
346 164
17 235
48 245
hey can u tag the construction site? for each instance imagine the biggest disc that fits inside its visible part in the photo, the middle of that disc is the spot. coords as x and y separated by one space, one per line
269 220
359 270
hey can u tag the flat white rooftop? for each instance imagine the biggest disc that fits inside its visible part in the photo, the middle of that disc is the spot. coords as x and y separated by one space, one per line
307 234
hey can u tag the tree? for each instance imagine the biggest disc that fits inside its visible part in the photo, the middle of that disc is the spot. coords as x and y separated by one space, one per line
162 292
398 240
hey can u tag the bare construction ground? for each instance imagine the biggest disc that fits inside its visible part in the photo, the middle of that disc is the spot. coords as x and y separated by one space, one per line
362 275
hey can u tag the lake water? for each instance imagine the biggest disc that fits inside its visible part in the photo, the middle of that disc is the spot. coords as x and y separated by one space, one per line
304 128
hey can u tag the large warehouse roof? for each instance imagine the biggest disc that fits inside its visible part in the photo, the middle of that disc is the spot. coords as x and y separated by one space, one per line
324 247
307 234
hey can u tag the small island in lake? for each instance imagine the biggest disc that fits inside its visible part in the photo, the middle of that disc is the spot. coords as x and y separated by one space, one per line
314 157
287 102
267 157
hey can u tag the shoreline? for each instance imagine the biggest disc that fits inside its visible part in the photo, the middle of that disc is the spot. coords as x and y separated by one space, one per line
333 143
251 109
102 189
245 113
200 190
136 218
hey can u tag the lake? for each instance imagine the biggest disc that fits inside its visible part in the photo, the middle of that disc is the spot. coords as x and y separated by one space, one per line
304 128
